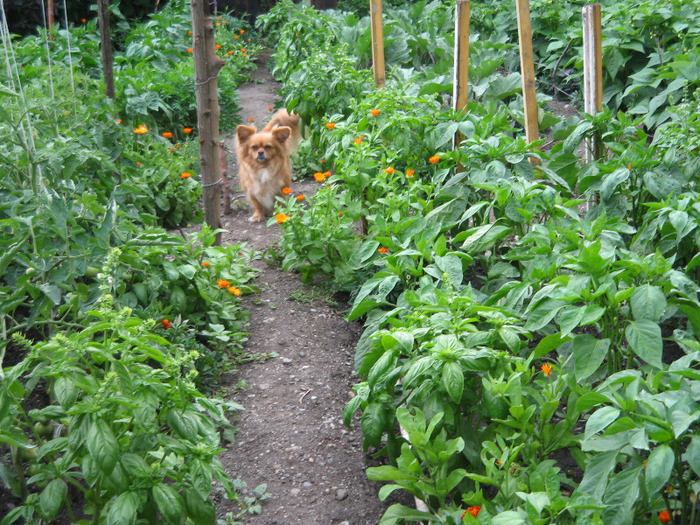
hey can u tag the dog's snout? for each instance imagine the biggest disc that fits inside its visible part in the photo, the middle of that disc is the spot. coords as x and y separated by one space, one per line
261 155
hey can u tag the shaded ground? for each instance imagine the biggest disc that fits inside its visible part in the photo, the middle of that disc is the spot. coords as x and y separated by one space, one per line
291 435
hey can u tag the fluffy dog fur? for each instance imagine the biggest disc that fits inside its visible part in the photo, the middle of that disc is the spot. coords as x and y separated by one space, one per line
263 161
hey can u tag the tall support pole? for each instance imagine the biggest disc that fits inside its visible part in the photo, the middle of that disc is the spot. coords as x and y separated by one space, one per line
461 75
375 9
206 70
106 46
592 71
527 70
49 14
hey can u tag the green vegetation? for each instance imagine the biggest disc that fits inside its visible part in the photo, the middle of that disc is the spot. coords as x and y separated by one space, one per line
533 329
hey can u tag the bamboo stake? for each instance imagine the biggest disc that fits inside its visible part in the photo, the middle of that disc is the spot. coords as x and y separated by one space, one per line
375 9
592 71
50 14
527 70
106 46
461 66
206 67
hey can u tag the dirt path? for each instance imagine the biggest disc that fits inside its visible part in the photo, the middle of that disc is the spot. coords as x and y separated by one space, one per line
291 435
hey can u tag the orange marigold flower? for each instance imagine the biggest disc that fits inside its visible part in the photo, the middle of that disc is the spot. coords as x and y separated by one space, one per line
664 516
340 214
547 369
206 263
83 20
389 170
138 163
319 176
171 149
242 31
218 18
235 291
223 283
410 173
217 46
251 119
300 197
218 23
178 146
281 217
473 510
165 323
140 129
186 131
286 190
118 121
243 50
245 54
323 160
236 37
167 134
189 33
358 140
383 250
434 159
185 175
271 108
326 174
330 125
375 112
190 50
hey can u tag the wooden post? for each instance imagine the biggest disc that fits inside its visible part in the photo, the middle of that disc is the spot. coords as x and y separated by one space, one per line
461 75
592 71
49 14
527 70
206 70
375 10
106 46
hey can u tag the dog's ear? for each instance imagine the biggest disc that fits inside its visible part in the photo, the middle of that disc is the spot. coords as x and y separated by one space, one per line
245 132
281 134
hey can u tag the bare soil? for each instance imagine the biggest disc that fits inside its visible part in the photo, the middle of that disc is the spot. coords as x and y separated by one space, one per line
291 434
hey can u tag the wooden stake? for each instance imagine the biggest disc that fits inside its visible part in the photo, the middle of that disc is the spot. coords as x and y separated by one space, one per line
106 46
206 69
49 14
527 70
592 71
375 9
461 75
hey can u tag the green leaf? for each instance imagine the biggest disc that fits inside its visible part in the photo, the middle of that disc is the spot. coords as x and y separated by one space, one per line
509 517
388 473
478 240
543 313
52 498
200 510
398 513
644 338
595 477
600 420
123 509
453 380
386 490
692 454
648 302
169 503
589 354
372 421
658 469
102 446
549 343
381 367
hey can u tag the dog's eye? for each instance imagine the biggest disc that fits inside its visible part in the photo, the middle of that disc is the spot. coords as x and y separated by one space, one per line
268 147
255 148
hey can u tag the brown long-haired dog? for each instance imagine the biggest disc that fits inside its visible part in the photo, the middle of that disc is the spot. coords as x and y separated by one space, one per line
263 160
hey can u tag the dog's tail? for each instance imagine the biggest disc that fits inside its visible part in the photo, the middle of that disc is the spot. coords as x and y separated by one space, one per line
291 120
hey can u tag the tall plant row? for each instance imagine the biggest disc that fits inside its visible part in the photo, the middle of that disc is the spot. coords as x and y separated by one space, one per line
115 323
534 330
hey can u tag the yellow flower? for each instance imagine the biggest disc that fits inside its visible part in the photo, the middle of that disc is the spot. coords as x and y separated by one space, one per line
235 291
281 217
223 283
140 129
